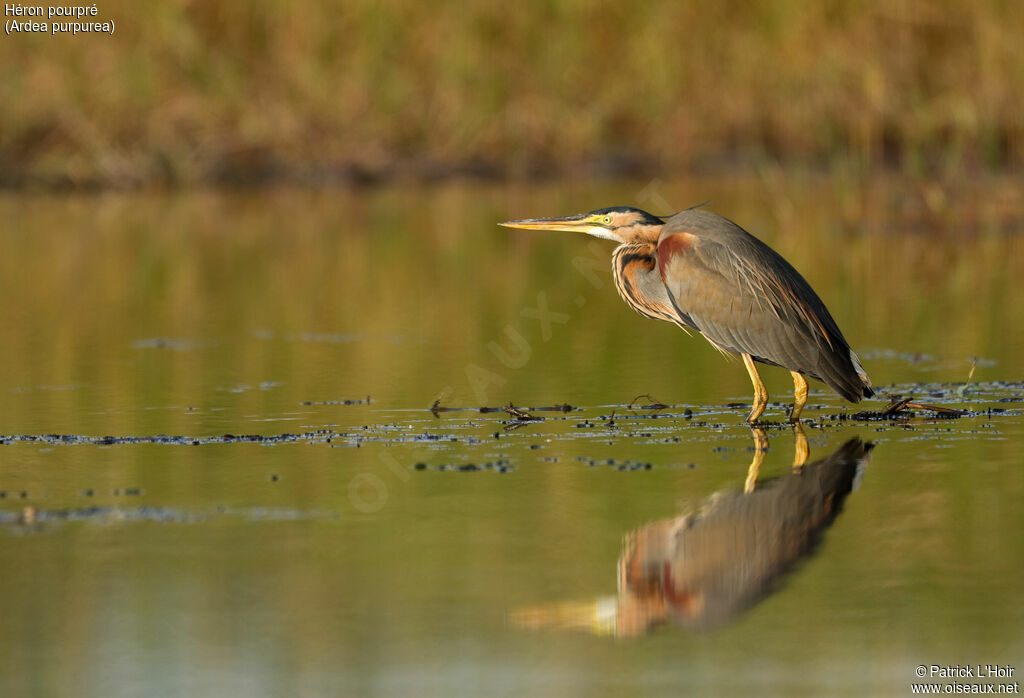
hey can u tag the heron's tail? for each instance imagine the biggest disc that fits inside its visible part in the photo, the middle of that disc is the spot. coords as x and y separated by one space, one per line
862 375
841 370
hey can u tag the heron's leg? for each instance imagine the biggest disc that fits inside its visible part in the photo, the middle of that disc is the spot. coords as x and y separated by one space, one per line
760 448
760 393
801 450
799 395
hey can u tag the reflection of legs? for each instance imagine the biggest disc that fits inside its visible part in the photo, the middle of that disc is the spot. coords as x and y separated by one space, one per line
799 395
801 449
760 447
760 393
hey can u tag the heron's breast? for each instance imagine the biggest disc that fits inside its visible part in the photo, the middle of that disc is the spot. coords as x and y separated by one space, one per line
639 284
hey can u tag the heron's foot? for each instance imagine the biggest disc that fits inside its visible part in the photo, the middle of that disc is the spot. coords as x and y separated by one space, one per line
760 392
756 412
799 396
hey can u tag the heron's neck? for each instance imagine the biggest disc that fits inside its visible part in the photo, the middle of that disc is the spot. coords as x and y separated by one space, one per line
642 234
635 266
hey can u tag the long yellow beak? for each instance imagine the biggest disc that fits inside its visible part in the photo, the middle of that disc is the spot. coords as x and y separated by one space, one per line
579 223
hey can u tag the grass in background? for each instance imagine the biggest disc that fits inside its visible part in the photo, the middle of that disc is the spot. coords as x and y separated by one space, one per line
195 92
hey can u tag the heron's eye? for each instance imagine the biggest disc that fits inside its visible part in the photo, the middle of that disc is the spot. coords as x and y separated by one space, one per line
607 220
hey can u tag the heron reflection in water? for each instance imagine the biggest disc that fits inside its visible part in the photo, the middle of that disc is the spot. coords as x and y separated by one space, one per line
703 567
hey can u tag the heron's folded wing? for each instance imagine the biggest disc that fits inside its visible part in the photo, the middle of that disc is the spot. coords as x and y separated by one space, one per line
746 299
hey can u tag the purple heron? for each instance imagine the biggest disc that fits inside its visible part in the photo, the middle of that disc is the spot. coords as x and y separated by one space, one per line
705 273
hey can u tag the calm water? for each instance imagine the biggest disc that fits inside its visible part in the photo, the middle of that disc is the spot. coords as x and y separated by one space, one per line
385 550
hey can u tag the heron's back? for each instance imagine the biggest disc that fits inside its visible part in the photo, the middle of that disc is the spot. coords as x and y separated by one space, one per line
746 298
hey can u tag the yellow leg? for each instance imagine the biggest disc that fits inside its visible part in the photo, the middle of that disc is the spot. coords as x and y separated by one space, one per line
760 393
760 448
801 449
799 396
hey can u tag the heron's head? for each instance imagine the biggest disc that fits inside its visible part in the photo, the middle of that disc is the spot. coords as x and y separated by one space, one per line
618 223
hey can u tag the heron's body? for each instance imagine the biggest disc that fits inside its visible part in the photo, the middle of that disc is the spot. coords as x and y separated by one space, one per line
705 273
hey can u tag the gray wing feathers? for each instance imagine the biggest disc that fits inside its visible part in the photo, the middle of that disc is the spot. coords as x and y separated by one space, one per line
746 298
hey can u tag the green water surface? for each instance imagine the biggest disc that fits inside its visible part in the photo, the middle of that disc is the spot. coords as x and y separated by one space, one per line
365 557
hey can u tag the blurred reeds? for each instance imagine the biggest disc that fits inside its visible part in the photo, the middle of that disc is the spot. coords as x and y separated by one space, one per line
189 92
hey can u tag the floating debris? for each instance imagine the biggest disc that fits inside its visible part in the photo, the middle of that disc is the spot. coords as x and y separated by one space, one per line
336 402
437 408
611 422
163 439
900 407
521 415
654 404
616 464
502 465
962 390
100 514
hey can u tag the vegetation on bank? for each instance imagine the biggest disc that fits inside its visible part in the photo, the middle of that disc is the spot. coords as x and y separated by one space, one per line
189 92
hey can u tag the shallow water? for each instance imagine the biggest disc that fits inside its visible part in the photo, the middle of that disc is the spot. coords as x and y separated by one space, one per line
365 545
